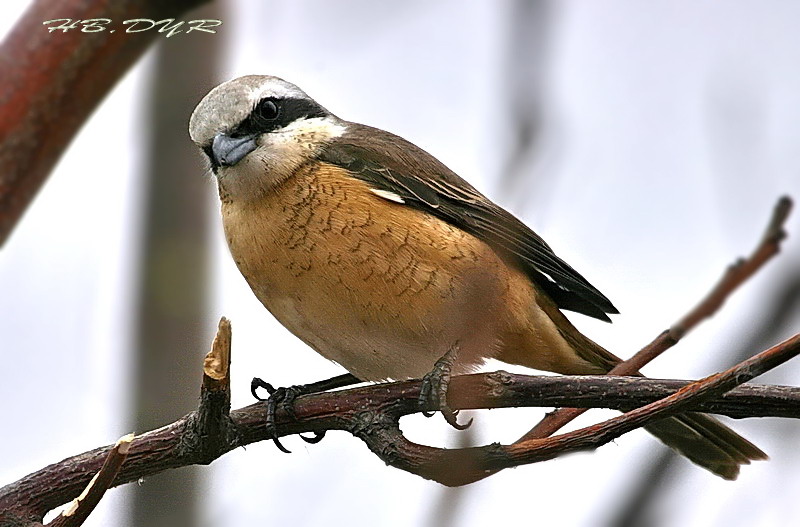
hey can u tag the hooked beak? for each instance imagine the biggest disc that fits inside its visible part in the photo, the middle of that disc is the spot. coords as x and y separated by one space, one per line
226 151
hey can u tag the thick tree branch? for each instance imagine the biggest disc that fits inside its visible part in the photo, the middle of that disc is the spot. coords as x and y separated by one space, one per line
372 414
53 81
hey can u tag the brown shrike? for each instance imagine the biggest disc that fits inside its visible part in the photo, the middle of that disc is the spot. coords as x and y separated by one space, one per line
382 259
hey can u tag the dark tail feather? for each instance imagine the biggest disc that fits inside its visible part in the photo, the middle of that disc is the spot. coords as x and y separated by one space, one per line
701 438
707 442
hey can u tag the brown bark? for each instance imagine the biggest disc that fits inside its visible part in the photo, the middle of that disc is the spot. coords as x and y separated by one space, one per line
371 413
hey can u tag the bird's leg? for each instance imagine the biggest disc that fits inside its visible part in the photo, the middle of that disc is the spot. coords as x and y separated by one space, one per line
434 389
285 398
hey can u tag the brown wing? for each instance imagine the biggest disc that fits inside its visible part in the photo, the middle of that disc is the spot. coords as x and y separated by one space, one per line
390 163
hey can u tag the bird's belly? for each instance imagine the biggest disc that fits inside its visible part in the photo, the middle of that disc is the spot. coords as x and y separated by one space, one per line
380 288
370 348
384 310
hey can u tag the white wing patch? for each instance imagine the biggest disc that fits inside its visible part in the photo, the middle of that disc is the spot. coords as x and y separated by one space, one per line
387 194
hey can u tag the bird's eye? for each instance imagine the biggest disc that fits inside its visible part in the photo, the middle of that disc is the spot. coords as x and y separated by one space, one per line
267 109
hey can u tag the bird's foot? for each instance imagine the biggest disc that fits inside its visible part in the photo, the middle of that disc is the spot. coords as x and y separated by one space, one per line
434 389
285 397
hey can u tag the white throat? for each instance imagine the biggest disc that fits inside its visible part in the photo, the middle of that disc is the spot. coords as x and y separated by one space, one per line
278 155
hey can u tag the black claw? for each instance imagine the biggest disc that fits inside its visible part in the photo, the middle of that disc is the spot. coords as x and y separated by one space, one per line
434 389
276 396
452 419
280 446
318 436
272 404
285 398
257 383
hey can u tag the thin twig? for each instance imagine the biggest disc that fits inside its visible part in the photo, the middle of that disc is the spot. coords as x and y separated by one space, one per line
80 508
734 276
385 439
711 386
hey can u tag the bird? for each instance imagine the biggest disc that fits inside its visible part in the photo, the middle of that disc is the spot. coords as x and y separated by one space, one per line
383 260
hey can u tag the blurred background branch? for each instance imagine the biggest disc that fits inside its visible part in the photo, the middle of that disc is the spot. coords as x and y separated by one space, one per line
171 304
49 90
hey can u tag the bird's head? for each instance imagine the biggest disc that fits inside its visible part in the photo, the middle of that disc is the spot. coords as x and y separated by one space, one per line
257 130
